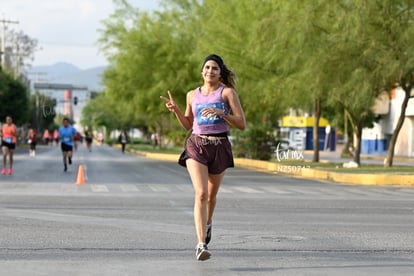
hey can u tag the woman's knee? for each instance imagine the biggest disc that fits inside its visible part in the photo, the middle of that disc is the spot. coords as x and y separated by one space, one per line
212 198
201 196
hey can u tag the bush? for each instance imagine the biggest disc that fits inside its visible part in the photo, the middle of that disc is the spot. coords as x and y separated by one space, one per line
177 138
257 142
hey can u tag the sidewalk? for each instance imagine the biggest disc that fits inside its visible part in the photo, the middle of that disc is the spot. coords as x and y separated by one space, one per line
306 172
335 156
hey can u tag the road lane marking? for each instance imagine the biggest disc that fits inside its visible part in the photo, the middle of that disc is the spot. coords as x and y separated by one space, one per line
99 188
225 190
185 188
248 190
129 188
274 190
157 188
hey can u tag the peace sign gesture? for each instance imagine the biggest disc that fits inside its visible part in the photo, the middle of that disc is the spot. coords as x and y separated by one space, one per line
170 104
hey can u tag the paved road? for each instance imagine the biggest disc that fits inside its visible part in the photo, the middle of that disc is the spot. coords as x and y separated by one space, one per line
134 217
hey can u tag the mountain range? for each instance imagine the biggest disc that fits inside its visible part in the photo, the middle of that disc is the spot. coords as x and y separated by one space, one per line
67 73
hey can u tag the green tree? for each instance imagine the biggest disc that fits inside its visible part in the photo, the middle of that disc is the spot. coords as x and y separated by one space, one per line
375 46
152 55
101 112
249 42
394 43
318 56
14 100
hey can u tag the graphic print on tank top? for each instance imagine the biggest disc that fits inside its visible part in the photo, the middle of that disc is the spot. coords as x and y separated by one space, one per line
211 119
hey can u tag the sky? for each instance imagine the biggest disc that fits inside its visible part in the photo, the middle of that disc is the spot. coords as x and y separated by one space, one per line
66 30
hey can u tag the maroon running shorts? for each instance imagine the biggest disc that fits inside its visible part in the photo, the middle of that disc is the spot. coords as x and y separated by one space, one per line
214 152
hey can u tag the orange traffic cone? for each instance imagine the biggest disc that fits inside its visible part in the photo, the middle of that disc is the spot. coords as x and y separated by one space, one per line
81 176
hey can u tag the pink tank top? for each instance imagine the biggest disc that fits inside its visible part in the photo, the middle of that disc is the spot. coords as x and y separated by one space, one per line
213 124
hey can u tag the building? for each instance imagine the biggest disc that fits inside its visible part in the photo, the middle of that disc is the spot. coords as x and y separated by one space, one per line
376 140
298 130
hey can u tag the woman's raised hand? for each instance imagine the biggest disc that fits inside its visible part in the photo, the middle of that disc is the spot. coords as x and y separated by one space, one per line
170 104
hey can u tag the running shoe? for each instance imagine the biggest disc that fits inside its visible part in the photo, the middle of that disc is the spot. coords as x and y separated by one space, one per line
202 252
70 160
3 171
208 236
10 171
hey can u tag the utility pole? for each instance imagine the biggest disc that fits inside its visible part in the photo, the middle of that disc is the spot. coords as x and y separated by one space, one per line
4 23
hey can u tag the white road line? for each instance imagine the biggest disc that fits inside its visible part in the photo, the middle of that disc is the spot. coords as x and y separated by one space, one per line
225 190
184 188
129 188
99 188
157 188
274 190
248 190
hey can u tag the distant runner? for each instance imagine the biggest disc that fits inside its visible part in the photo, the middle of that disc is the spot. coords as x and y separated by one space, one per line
8 144
88 139
31 140
66 135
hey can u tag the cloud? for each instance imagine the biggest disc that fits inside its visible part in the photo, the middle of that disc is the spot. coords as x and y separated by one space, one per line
87 9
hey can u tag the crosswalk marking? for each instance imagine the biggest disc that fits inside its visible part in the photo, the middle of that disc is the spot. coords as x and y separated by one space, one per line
274 190
184 188
248 190
96 188
227 189
156 188
129 188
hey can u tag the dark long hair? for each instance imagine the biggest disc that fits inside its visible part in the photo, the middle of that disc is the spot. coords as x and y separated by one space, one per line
227 76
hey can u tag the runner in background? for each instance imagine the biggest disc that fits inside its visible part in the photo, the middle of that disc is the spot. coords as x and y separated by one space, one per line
123 139
78 139
89 139
8 144
31 140
66 135
56 136
46 137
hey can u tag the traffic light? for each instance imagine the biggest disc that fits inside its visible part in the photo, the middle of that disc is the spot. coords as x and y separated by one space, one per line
75 100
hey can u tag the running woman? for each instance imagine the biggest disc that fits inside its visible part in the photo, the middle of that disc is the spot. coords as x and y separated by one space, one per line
210 110
8 144
66 135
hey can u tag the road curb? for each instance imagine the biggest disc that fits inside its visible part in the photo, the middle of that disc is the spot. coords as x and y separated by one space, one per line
309 173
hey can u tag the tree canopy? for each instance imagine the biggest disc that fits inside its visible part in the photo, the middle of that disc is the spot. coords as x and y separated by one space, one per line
317 56
14 99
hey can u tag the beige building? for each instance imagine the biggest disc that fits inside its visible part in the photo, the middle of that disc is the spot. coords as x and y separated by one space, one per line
376 140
